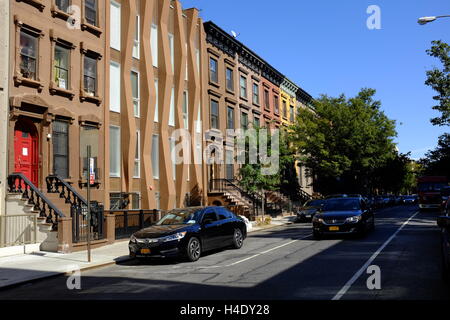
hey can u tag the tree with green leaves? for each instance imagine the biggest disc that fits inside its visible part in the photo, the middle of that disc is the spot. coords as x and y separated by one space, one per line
437 161
344 141
439 80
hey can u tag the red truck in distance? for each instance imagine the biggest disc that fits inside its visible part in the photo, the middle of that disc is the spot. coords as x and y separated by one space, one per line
429 191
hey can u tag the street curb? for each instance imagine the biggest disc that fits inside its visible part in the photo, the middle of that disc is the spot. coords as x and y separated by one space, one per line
54 274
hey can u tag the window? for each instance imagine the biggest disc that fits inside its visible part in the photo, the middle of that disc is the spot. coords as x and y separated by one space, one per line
154 44
256 122
266 99
28 55
284 109
276 105
230 80
61 66
244 120
173 157
229 164
291 114
156 118
243 84
136 45
114 151
135 92
135 201
185 110
89 136
137 156
172 51
214 114
172 109
63 5
224 214
155 156
90 11
90 76
197 56
255 93
230 118
198 129
114 86
213 77
115 25
60 138
158 200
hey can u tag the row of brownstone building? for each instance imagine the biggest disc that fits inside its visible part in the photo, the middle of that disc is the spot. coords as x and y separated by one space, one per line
121 77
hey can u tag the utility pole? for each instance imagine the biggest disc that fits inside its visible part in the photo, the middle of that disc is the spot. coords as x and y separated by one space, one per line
4 107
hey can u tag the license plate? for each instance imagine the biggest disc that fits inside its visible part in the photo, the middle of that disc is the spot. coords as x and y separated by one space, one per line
145 251
334 229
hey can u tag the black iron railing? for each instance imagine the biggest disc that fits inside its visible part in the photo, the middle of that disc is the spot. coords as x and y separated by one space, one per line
131 221
78 210
19 183
222 185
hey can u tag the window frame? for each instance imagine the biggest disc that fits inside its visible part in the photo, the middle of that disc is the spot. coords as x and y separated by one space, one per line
137 42
213 116
229 81
116 45
255 94
138 98
211 72
245 95
118 146
137 160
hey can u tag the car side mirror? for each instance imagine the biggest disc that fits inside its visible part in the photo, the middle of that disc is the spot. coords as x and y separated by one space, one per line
443 221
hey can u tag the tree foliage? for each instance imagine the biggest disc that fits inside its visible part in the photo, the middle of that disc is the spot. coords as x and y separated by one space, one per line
344 141
437 161
439 80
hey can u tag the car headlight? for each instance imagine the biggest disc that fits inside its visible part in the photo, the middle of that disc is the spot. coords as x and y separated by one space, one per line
174 237
133 239
317 219
353 219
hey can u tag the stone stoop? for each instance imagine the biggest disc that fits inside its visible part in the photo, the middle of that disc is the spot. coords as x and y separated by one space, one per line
45 236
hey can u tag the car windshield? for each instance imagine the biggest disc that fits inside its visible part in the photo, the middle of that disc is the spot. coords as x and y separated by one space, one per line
431 186
180 217
341 205
314 203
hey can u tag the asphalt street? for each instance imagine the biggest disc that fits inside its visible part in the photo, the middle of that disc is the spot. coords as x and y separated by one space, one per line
281 263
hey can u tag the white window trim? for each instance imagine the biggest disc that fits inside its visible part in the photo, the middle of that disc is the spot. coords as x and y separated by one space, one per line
138 159
155 176
172 50
115 175
113 45
138 99
112 107
154 45
172 109
137 43
172 145
186 115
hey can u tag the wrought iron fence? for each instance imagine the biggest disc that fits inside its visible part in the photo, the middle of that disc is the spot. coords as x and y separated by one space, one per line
130 221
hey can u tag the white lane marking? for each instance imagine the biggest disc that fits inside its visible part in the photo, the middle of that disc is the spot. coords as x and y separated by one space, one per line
258 254
350 282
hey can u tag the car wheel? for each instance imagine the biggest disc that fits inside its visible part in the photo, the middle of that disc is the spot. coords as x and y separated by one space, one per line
238 238
193 249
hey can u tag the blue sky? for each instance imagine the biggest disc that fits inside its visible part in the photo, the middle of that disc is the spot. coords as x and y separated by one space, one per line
325 47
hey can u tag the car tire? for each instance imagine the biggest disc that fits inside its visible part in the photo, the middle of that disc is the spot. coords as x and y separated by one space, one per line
238 238
193 249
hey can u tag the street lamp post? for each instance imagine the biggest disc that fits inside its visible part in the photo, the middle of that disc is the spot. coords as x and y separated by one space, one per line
425 20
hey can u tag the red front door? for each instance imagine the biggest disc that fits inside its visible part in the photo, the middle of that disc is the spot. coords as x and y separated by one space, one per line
26 150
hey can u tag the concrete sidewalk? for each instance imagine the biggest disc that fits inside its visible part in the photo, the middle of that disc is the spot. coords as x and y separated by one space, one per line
19 269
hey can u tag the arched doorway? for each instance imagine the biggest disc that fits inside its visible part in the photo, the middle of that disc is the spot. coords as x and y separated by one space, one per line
26 149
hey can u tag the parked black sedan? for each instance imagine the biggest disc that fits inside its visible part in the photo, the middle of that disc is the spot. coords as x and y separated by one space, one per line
343 216
189 232
309 209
